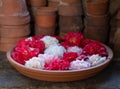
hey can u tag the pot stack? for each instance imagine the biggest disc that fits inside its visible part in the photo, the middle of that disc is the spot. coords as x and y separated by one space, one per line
45 21
54 3
97 19
70 16
14 22
117 35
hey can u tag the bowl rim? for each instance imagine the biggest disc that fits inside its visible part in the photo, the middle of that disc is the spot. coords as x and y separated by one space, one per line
109 58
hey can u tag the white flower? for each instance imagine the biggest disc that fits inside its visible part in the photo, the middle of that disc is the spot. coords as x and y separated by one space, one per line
55 50
48 58
35 62
48 40
96 59
79 64
75 49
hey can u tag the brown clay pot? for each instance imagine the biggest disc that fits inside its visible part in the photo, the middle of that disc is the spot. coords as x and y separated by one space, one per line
54 3
8 40
15 31
96 7
13 8
70 23
37 3
70 10
14 20
101 20
97 33
46 17
5 47
69 2
44 31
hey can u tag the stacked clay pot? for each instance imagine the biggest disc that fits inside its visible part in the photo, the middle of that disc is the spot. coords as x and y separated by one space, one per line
117 35
35 4
45 21
14 22
70 16
54 3
97 19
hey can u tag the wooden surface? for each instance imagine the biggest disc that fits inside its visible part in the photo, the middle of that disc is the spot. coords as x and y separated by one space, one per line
11 79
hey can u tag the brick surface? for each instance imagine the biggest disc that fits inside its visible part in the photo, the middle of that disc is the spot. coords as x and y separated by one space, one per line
11 79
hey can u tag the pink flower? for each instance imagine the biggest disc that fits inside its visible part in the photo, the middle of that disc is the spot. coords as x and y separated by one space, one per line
70 56
82 57
57 64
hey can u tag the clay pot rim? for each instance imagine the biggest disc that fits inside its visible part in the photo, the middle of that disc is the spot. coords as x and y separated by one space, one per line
106 15
42 10
109 58
54 0
95 2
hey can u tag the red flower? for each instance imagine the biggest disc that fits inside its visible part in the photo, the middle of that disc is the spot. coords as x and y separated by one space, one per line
85 42
70 56
74 39
21 54
65 45
38 44
95 48
57 65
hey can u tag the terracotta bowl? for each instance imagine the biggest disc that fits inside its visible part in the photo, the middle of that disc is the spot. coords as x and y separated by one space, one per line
60 76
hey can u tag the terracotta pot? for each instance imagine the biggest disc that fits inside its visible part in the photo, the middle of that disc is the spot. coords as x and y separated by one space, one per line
70 23
14 20
44 31
15 31
46 17
70 10
97 33
8 40
69 2
13 8
101 20
53 3
5 47
96 7
37 3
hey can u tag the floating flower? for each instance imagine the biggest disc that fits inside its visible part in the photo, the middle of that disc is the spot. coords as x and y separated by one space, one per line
74 39
96 59
65 45
79 64
70 56
48 58
95 48
82 57
75 49
57 65
48 40
35 62
55 50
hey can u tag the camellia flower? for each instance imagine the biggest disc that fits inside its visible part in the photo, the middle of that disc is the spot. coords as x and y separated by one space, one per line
55 50
74 39
48 40
85 42
96 59
82 57
48 58
70 56
35 62
75 49
95 48
21 54
65 45
79 64
57 65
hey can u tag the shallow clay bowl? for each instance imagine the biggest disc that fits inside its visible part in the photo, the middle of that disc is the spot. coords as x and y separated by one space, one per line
60 76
